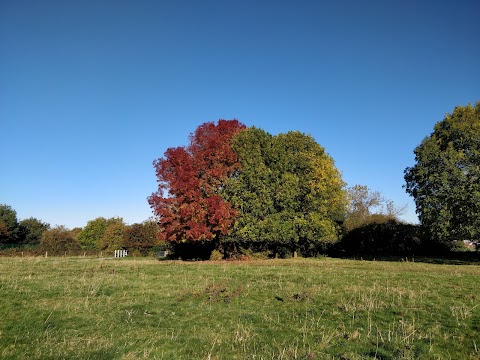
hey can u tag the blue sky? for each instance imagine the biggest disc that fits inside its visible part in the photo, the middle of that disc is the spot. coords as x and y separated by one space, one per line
91 92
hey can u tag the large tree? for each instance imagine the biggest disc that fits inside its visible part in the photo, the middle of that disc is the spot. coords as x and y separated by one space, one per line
289 193
445 181
188 203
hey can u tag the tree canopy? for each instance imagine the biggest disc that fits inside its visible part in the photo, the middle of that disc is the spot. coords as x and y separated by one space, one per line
90 237
445 180
59 240
188 202
113 237
249 185
9 227
32 230
142 236
288 191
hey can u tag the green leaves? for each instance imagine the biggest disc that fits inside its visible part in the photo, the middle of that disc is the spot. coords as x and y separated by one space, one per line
445 181
288 192
93 235
9 228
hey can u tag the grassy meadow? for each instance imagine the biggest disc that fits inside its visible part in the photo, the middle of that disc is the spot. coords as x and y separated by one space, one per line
133 308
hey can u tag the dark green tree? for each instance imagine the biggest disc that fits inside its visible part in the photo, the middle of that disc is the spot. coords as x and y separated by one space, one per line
250 189
389 237
9 227
32 230
445 180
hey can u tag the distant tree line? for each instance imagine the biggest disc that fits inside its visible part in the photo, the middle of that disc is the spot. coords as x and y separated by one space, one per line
100 234
12 231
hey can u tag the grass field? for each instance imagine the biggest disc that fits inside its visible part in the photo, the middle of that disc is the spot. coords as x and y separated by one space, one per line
85 308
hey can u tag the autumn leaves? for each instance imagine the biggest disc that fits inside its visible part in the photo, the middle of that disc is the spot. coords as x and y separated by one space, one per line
238 184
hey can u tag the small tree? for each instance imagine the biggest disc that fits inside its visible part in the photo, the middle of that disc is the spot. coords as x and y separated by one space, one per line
367 206
58 240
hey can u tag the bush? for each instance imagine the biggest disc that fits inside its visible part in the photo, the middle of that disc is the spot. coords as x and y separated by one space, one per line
216 256
238 250
28 250
58 241
388 238
192 250
142 237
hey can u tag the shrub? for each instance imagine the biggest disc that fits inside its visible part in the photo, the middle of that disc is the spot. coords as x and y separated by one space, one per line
388 238
142 237
216 256
192 250
255 255
59 240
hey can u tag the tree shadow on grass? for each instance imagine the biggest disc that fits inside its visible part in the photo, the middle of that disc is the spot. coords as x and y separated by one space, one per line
464 258
454 258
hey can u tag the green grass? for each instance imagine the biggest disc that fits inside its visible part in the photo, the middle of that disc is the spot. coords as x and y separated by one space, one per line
54 308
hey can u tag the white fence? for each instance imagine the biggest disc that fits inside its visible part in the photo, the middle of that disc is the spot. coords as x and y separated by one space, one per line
120 253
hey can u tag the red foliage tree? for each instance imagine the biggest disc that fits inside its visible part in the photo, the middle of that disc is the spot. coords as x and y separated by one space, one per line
188 203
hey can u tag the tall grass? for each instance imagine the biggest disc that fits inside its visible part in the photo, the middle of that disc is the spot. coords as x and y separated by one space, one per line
52 308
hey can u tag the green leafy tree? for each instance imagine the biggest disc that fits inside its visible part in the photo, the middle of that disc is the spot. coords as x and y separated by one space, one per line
58 240
90 236
445 180
288 192
9 227
92 233
113 237
250 190
389 237
32 230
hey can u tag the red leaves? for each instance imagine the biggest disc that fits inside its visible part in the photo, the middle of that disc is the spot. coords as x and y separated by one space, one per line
192 177
221 214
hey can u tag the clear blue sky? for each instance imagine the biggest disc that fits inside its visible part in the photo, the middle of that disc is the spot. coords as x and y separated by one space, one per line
92 91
